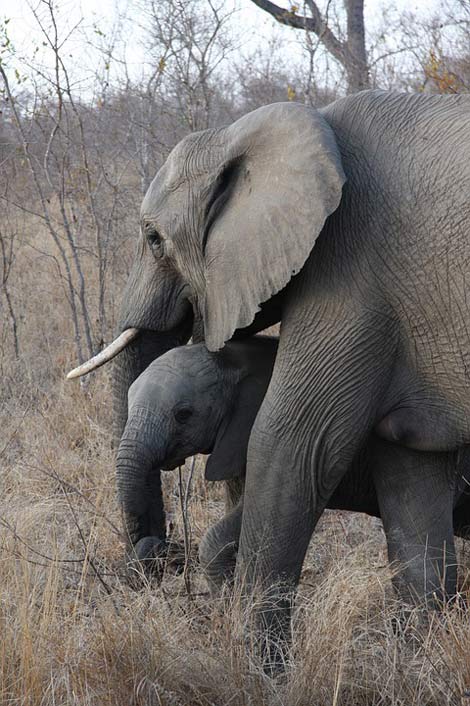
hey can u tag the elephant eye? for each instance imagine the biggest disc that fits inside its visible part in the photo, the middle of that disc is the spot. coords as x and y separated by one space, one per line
154 240
183 414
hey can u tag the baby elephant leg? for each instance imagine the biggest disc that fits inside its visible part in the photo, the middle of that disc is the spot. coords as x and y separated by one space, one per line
219 546
415 491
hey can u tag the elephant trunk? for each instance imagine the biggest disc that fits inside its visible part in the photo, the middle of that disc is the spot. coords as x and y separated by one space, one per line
130 363
139 484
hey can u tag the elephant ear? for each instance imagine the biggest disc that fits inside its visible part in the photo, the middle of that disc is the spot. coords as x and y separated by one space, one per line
280 181
228 458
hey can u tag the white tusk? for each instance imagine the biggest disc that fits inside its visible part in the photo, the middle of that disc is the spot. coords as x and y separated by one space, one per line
106 354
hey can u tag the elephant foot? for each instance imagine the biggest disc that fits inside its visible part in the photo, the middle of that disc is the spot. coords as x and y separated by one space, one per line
151 557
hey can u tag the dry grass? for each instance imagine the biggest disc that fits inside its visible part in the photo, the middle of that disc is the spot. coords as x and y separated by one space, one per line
74 631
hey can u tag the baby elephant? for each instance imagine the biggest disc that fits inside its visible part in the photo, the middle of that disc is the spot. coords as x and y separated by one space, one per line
191 401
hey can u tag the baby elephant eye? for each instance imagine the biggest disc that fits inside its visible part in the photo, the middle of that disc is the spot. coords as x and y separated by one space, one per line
183 414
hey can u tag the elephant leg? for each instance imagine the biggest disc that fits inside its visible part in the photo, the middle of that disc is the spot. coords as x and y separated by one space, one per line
461 515
234 488
461 520
219 546
321 405
415 492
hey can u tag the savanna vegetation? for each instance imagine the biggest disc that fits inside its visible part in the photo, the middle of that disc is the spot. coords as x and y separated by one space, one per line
89 110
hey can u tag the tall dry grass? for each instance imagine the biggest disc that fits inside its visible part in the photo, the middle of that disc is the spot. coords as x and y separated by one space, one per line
74 631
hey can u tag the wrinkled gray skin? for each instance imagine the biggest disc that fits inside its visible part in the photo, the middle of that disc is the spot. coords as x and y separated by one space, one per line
192 401
351 224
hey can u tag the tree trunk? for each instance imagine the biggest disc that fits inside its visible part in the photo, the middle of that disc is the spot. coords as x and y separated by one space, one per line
357 67
349 53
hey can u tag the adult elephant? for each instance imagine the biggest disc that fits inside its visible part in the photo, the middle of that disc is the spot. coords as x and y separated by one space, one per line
352 223
190 401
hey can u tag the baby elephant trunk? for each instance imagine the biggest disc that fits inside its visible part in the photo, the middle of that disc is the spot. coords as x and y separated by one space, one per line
138 484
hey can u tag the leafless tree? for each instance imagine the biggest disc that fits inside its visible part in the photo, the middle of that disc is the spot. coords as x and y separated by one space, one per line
348 50
190 41
8 248
76 177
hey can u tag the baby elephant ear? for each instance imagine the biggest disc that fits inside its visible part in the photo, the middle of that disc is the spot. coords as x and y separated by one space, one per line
228 458
281 179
